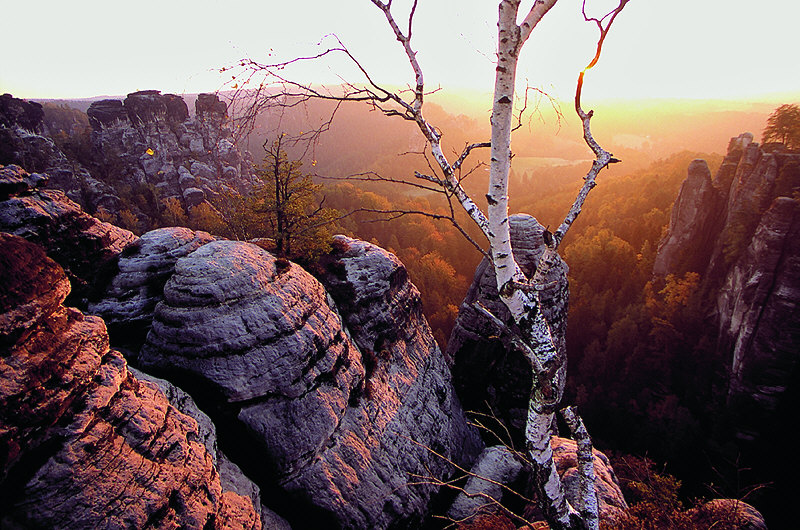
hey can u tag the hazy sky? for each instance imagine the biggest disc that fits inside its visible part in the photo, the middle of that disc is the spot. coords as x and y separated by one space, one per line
658 48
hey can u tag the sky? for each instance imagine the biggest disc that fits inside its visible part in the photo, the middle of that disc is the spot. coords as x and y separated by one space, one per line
699 49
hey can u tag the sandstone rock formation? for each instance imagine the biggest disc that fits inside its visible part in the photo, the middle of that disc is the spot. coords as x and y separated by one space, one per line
496 474
475 351
758 308
609 496
25 114
727 513
86 247
231 476
84 443
407 391
146 148
694 223
14 180
492 477
746 253
341 427
152 141
143 268
24 142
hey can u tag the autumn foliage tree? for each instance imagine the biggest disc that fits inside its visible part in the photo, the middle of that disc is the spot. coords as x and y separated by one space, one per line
289 206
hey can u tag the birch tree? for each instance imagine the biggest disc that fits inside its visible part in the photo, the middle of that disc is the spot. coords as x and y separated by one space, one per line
519 293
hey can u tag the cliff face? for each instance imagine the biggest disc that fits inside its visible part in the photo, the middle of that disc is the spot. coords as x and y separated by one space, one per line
694 224
758 308
739 232
150 139
83 442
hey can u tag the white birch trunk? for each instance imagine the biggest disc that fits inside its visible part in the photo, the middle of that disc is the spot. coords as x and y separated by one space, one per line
546 364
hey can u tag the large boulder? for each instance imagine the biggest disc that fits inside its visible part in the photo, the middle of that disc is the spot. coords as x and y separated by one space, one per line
499 478
610 501
489 375
143 268
150 106
15 180
727 513
493 476
86 247
209 107
20 113
106 112
83 442
339 431
231 316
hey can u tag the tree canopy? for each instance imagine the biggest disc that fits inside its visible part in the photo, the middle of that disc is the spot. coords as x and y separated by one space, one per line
783 126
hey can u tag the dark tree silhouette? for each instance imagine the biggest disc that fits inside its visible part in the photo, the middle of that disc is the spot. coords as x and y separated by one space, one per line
783 126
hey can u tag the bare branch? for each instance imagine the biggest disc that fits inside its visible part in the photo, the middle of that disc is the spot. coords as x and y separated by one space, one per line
397 214
602 157
508 441
541 93
467 150
469 473
405 40
372 176
611 16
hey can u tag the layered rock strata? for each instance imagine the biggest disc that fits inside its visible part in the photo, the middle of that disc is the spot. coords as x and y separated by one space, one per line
143 268
342 423
232 478
486 370
84 246
83 442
